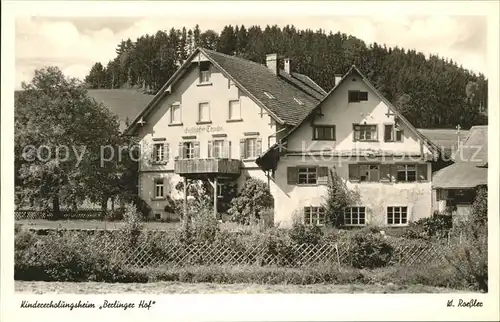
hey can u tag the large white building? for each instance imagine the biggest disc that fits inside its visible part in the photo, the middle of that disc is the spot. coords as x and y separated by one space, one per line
213 118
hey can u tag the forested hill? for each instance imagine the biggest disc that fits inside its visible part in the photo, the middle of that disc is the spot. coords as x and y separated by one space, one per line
432 92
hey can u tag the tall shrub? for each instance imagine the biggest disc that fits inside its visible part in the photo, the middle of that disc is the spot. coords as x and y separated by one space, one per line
338 197
251 202
470 258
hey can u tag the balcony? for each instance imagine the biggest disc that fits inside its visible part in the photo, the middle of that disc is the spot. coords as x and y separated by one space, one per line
185 167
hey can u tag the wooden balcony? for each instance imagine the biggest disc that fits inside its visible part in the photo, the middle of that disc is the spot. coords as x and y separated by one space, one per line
207 167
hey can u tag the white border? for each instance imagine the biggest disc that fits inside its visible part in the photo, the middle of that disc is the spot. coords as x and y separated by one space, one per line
248 307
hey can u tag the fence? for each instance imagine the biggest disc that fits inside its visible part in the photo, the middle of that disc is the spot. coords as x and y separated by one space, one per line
87 214
160 250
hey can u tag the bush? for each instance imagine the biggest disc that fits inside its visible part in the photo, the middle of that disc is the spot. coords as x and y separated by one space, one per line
133 225
437 226
253 200
368 250
305 234
470 259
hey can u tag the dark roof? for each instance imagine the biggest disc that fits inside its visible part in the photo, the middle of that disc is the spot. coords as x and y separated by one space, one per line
446 139
257 79
253 79
125 103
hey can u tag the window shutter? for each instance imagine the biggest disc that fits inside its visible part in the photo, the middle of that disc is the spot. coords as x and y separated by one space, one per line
334 129
422 172
153 154
210 148
291 173
258 147
385 172
322 175
388 133
166 151
399 135
196 149
229 155
180 151
354 172
242 149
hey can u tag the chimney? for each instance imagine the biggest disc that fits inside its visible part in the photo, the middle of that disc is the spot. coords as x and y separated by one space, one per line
272 62
338 77
287 65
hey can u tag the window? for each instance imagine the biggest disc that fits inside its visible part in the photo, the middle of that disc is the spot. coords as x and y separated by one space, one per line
234 110
189 149
220 190
392 134
355 216
369 172
365 132
158 152
397 215
250 147
357 96
324 132
175 113
314 216
406 173
204 112
159 188
269 95
307 175
218 148
204 73
157 216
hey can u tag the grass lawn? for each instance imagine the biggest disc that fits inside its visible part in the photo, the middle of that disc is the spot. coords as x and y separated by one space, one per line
212 288
100 224
89 224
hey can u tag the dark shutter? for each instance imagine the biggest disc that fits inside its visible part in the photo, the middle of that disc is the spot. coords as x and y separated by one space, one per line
291 174
322 175
258 147
422 172
229 155
354 172
210 148
242 149
196 149
385 172
355 132
180 151
388 133
166 151
334 130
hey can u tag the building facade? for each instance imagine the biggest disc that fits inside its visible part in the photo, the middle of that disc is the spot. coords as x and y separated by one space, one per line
211 121
357 134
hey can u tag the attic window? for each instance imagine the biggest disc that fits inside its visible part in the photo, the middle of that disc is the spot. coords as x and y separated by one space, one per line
269 95
298 101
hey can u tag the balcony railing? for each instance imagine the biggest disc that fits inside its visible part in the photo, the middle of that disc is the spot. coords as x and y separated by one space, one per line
207 166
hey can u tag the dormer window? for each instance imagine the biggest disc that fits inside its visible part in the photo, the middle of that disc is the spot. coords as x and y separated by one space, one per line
205 73
298 101
269 95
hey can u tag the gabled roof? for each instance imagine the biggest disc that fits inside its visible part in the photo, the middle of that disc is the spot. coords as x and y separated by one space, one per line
471 163
432 146
475 147
254 79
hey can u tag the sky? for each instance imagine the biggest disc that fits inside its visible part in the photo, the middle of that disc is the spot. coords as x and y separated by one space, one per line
75 43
